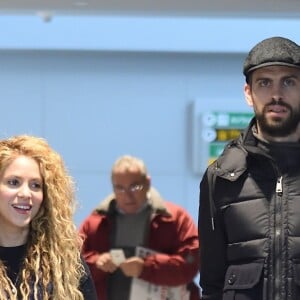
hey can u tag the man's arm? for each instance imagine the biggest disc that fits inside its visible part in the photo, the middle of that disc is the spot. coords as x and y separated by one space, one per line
180 265
90 248
212 247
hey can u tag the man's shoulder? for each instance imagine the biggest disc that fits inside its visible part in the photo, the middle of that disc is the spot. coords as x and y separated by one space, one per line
231 163
93 219
175 209
173 206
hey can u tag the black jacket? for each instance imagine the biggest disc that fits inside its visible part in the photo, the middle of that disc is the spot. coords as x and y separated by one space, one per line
249 222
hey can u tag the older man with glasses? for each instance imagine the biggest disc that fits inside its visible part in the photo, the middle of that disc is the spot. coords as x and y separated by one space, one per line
136 215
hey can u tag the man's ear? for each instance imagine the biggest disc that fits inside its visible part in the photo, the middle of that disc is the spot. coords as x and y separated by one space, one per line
148 182
248 94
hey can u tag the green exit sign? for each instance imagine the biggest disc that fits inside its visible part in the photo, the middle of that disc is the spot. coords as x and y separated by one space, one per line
221 127
227 119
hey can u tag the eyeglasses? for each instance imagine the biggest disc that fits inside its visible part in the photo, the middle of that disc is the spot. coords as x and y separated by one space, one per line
132 189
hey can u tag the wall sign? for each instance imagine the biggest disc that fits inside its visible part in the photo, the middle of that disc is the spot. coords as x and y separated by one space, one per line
211 131
218 128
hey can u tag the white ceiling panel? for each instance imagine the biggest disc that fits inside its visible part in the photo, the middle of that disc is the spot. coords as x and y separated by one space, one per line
222 8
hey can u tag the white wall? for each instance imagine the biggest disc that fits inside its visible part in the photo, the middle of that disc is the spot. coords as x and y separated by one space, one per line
97 91
94 107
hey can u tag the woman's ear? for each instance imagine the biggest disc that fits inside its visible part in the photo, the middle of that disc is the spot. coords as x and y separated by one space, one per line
248 94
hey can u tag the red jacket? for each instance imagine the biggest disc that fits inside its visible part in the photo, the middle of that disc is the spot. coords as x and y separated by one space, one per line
172 233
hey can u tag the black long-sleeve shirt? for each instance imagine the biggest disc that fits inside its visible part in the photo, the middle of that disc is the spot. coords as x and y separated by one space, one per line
12 258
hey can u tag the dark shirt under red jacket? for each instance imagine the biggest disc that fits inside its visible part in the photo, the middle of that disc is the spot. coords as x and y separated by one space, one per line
172 233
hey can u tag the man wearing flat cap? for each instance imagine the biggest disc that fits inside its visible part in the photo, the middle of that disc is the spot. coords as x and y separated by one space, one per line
249 213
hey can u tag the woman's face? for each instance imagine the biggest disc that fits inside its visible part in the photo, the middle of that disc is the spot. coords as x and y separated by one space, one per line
21 194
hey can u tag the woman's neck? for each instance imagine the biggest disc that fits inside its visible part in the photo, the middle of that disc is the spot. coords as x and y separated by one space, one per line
13 238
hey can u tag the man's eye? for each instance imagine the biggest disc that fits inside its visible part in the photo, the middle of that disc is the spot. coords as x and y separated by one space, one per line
264 82
289 82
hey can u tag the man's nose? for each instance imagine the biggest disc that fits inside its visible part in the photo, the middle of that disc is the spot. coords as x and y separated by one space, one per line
128 193
277 93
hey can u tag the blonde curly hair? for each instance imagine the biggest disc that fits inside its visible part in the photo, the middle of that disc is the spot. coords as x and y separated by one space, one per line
52 262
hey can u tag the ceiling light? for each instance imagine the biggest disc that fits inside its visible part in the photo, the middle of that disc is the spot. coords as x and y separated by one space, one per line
80 3
45 15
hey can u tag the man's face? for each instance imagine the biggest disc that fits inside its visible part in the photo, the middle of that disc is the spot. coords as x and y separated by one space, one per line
274 93
130 188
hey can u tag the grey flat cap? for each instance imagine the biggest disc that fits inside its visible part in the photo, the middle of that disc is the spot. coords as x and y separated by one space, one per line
272 51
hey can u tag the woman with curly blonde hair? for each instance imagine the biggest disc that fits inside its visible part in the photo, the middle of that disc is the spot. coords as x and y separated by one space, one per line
39 244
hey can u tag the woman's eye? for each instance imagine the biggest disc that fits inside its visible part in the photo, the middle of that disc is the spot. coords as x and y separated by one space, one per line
13 182
36 186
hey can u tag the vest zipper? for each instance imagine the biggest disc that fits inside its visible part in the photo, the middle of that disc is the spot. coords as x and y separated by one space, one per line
279 186
278 237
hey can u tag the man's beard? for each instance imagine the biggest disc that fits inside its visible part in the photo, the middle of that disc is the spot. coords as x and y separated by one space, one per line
278 127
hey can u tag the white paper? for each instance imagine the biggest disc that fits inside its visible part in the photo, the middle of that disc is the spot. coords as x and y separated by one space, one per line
117 256
143 290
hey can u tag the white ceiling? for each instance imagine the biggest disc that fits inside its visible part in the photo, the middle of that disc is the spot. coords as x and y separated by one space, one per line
210 8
